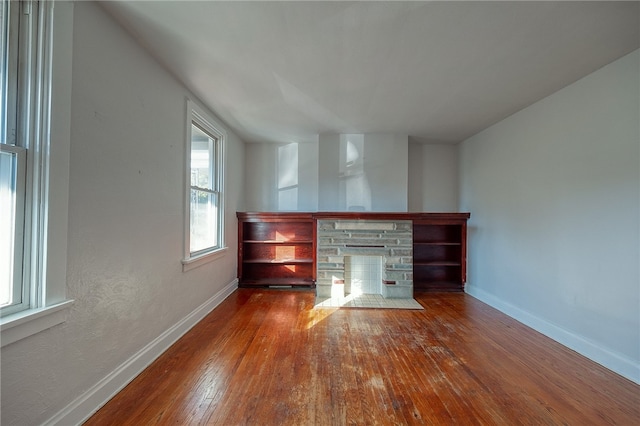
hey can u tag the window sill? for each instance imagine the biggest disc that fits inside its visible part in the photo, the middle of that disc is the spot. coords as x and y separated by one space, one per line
27 323
194 262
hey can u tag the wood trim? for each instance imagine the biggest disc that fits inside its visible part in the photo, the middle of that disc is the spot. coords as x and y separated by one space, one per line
274 216
415 216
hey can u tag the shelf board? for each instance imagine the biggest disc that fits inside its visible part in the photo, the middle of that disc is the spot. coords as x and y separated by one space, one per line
437 263
437 286
289 242
436 243
290 261
278 281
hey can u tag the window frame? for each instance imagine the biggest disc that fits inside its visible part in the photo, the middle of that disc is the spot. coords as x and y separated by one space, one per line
44 131
198 117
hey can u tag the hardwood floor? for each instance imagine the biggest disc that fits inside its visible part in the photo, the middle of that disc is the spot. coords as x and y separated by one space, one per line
266 357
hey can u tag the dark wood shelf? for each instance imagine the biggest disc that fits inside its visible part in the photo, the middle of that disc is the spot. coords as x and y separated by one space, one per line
439 243
266 282
440 286
276 249
278 261
287 243
438 263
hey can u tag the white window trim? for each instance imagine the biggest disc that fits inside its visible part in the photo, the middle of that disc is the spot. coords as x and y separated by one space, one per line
54 124
204 258
197 115
26 323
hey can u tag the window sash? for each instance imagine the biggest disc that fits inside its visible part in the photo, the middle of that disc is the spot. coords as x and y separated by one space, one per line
12 201
204 227
24 69
212 155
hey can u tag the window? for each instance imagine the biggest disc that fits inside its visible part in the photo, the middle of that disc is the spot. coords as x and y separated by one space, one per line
204 204
18 140
32 229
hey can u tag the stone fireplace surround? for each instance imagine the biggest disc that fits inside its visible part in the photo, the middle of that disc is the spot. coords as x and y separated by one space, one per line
341 236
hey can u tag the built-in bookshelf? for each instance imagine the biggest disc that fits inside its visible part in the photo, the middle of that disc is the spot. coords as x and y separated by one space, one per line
276 249
439 253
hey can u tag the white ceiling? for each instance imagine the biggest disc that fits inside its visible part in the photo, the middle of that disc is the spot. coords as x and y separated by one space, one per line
437 71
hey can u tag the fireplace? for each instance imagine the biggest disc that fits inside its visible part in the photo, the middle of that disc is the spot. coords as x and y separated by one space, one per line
364 257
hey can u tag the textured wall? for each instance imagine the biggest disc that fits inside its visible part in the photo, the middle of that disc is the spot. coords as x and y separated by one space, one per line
126 213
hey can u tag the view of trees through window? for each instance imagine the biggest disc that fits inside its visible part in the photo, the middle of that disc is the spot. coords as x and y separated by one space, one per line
204 191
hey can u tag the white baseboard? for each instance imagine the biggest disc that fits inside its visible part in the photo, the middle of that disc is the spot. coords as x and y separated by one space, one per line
88 403
614 362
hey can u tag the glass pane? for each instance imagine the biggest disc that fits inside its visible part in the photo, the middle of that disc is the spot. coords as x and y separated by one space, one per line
8 163
201 161
10 67
203 220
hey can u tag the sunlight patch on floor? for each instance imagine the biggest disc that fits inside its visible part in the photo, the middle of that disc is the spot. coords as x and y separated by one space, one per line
365 301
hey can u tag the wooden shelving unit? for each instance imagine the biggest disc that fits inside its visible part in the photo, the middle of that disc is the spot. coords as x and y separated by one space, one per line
279 249
276 249
440 252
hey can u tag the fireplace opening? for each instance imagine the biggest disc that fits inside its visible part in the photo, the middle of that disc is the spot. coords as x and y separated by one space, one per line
363 275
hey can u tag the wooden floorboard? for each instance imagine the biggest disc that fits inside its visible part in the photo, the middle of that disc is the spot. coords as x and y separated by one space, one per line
266 357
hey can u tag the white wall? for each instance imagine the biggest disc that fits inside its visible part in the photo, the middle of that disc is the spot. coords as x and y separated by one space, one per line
363 172
328 173
415 197
125 237
260 177
433 177
377 181
386 166
553 193
397 172
268 168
